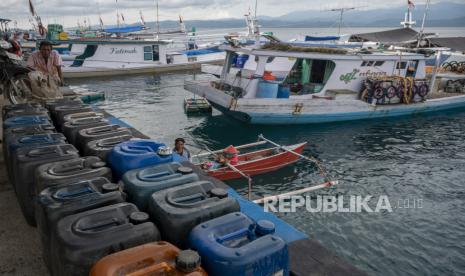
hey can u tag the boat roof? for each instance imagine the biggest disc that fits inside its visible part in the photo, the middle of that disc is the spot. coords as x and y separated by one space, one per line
321 53
115 41
388 36
126 29
454 43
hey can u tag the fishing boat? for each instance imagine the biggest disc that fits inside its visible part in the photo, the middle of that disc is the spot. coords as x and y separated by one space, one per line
284 84
110 57
257 162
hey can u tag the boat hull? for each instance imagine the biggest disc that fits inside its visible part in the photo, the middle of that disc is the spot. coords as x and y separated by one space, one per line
261 166
88 72
314 111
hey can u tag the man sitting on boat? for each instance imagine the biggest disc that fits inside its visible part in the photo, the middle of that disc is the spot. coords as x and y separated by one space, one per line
47 61
180 153
230 155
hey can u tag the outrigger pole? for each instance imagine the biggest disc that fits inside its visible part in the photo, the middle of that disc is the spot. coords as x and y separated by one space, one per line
313 160
296 192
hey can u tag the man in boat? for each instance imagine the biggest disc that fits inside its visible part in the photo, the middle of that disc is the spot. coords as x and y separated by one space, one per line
230 155
47 61
180 153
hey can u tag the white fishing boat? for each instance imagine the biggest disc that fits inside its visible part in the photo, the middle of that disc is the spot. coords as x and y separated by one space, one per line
123 57
316 85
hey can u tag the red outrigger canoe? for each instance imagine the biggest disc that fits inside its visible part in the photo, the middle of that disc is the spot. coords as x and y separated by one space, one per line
261 161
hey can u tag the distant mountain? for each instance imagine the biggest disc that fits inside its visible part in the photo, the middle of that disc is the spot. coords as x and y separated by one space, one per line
440 15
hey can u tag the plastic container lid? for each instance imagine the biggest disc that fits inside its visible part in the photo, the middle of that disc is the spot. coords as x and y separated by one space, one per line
187 260
109 187
264 227
185 170
138 217
98 164
219 192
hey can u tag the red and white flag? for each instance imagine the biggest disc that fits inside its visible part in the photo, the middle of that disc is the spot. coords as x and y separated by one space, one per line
410 4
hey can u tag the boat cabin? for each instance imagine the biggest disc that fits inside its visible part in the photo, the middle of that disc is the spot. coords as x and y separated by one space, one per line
307 71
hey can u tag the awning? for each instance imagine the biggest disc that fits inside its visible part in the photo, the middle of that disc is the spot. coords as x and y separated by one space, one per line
128 29
321 38
389 36
455 43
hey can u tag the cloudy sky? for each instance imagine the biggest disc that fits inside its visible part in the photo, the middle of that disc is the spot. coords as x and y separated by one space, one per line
68 12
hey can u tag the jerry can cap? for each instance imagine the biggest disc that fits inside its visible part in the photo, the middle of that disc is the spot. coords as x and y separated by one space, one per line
185 170
264 227
187 260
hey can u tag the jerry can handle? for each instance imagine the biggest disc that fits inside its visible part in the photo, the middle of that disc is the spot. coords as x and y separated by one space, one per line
68 168
235 235
101 129
42 151
136 149
150 270
102 225
74 193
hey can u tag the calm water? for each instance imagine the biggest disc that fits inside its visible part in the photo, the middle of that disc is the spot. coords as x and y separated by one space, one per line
414 158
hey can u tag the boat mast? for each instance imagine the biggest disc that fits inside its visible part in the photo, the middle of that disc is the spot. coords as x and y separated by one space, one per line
256 28
158 20
341 16
117 14
408 20
422 30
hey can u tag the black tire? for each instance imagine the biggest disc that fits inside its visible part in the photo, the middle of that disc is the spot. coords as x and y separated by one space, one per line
378 93
423 90
391 92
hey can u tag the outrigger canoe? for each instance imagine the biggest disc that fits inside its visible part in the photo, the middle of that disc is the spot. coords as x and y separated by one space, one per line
260 161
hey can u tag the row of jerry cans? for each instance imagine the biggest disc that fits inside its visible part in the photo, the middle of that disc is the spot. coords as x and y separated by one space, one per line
73 231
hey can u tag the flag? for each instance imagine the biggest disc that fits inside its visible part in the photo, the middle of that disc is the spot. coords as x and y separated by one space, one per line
31 8
180 19
101 21
142 18
410 4
122 17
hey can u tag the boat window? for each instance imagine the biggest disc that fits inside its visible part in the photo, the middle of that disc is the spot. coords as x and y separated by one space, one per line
309 76
379 63
412 68
270 60
148 53
156 52
370 63
401 65
364 63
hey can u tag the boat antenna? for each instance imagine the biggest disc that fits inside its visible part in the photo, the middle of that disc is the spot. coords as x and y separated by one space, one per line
158 20
256 5
341 15
422 30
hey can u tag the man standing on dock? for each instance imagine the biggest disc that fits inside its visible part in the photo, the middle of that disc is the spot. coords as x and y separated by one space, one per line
47 61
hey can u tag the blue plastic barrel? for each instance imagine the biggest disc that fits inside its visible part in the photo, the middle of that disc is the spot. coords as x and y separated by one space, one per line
267 89
241 60
234 244
284 92
135 154
25 120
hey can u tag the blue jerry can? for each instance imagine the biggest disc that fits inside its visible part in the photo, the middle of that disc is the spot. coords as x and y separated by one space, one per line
136 154
236 245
